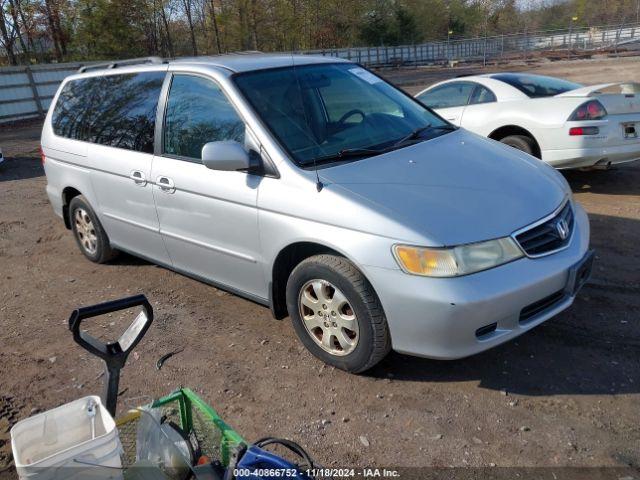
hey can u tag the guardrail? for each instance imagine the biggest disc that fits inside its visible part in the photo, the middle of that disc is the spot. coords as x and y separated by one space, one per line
26 91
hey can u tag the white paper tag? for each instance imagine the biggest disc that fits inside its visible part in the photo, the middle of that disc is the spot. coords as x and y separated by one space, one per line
364 75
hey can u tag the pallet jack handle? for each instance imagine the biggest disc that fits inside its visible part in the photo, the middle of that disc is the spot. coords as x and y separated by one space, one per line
113 354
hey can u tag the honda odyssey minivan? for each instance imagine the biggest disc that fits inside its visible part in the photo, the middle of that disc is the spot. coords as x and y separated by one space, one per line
312 186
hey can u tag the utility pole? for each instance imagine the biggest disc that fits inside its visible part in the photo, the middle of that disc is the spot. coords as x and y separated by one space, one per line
573 19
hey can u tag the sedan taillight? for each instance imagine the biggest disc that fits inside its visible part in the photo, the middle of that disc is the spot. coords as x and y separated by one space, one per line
578 131
42 157
591 110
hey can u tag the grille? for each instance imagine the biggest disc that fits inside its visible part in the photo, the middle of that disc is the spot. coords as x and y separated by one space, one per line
533 309
547 237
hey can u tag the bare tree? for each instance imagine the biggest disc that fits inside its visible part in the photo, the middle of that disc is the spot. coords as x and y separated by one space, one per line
56 37
188 12
27 23
13 11
216 30
8 34
167 32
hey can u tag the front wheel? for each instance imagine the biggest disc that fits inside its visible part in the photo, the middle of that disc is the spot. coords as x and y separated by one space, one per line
337 314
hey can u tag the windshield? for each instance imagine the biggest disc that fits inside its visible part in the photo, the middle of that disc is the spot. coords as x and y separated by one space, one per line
537 86
325 113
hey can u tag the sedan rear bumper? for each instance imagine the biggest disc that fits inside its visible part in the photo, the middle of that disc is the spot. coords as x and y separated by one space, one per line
588 157
449 318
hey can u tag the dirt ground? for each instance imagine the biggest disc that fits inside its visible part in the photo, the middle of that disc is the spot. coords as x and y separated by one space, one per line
565 394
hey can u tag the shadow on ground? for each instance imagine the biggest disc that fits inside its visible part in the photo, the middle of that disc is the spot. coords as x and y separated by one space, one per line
20 168
618 180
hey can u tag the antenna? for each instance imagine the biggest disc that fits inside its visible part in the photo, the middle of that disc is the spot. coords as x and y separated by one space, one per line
319 184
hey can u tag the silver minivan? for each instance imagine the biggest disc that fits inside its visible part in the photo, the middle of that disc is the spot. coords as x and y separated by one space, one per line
313 186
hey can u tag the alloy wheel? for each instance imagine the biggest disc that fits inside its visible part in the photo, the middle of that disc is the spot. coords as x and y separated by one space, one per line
85 231
328 317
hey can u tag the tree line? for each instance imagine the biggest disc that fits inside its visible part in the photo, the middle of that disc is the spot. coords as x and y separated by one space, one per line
38 31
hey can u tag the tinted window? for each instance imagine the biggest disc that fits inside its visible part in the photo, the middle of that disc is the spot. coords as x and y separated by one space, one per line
197 113
342 96
482 95
73 109
333 112
537 86
114 110
453 94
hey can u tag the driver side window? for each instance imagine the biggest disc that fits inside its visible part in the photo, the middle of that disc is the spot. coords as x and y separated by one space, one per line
338 99
455 94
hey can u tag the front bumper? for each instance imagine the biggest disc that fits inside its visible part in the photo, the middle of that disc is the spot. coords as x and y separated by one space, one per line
440 317
588 157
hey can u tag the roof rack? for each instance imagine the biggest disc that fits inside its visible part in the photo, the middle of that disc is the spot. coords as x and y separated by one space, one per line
122 63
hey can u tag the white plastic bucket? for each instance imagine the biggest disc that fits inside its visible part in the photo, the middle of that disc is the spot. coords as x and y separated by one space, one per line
58 444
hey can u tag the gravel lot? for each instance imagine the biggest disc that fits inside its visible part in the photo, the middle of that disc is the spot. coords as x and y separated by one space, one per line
566 394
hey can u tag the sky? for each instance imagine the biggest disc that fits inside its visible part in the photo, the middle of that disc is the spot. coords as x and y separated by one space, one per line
524 4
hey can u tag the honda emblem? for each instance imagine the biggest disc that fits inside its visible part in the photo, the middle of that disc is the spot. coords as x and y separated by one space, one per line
562 227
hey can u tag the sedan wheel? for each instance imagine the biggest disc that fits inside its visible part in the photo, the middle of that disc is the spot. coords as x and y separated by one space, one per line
328 317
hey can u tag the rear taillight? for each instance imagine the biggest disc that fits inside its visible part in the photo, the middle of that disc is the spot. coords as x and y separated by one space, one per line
42 157
577 131
591 110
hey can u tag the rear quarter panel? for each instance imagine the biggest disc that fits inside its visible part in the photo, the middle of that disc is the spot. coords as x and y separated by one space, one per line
540 116
65 164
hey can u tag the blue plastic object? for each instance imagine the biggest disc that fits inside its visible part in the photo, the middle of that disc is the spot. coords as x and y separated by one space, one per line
257 463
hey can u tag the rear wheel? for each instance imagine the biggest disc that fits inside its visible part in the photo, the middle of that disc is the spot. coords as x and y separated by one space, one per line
88 232
337 314
521 142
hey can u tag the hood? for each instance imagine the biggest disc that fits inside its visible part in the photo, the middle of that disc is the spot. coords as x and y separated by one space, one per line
455 189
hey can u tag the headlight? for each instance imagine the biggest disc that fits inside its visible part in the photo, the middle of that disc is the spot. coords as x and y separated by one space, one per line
456 261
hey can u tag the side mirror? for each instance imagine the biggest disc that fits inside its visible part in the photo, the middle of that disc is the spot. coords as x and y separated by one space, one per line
226 156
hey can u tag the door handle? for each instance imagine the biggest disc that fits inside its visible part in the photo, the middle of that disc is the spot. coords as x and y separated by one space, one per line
165 184
138 178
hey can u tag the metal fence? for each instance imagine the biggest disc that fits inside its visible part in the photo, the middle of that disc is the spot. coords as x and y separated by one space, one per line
26 91
572 41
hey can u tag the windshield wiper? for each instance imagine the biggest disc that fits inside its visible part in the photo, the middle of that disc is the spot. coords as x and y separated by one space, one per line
415 134
350 153
369 152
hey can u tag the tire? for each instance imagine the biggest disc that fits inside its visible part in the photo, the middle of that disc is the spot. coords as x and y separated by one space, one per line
521 142
367 337
88 232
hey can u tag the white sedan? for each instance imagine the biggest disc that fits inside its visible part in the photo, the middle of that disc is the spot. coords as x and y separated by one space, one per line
563 123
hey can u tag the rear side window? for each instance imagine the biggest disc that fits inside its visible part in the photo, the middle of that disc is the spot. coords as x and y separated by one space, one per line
482 95
198 112
453 94
114 110
537 86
